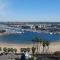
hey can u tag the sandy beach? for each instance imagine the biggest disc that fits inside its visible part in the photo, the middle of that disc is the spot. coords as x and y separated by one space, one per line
17 46
54 46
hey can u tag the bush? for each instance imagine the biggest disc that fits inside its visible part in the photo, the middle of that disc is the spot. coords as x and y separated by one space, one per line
17 59
1 54
57 53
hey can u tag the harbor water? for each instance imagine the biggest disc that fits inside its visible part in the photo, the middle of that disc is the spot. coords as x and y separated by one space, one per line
27 37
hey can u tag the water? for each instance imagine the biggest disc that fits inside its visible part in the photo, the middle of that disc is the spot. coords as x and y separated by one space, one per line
27 37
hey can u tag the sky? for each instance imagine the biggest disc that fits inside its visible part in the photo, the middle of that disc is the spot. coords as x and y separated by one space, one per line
30 10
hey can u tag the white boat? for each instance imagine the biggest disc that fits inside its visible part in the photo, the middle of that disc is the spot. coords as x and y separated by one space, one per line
51 33
10 31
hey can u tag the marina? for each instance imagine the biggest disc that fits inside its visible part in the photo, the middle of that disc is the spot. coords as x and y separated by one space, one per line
29 29
24 33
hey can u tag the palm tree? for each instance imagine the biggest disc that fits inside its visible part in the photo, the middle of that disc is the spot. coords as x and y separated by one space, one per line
44 44
33 51
33 40
37 42
47 44
12 51
15 52
40 42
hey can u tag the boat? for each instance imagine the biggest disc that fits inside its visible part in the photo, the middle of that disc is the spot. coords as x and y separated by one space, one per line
14 31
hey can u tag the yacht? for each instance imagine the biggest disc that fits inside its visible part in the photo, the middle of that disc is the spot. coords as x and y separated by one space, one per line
14 30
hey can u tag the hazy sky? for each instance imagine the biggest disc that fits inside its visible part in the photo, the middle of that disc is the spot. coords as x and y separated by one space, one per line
30 10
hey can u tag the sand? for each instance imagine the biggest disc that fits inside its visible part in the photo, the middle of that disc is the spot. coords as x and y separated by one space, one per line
17 46
53 47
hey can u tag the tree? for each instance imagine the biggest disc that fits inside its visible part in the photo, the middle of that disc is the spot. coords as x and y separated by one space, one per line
9 50
40 42
12 55
15 50
5 50
47 44
33 41
37 42
28 49
33 51
0 49
12 50
25 49
22 49
44 44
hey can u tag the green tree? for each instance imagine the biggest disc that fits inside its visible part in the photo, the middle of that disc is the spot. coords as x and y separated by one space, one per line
25 49
12 50
0 49
33 41
9 50
47 44
33 51
40 43
22 49
44 44
15 50
28 49
5 49
37 43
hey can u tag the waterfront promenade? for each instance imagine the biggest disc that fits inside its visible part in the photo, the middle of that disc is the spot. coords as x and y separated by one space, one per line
53 47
